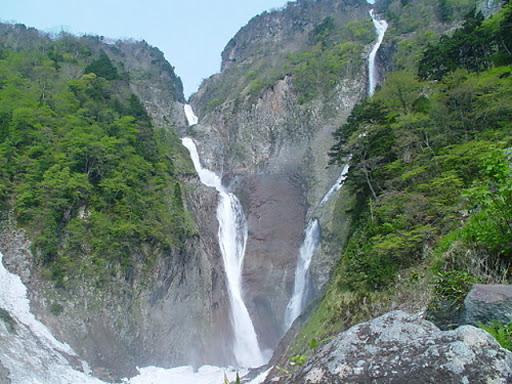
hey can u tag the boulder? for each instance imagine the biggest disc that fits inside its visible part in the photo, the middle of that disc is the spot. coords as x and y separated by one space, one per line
402 348
487 302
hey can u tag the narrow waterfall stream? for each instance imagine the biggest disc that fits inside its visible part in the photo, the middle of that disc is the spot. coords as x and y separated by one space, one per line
232 240
337 185
312 231
300 289
381 26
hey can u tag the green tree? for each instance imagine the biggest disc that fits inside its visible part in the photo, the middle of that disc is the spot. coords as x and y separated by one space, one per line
103 67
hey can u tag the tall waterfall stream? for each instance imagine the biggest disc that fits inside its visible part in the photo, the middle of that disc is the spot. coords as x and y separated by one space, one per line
380 26
232 240
31 354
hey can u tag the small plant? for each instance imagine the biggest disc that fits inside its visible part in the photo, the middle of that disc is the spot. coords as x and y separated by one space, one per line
501 332
285 371
452 286
237 379
313 343
7 319
56 308
298 360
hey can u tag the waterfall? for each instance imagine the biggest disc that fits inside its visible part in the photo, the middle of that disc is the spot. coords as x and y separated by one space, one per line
307 249
232 239
381 26
337 185
190 115
312 231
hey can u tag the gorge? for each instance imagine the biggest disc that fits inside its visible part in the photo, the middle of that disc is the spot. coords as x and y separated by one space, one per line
334 177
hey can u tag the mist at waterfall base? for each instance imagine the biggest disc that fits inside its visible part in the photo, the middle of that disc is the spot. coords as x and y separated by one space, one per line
33 356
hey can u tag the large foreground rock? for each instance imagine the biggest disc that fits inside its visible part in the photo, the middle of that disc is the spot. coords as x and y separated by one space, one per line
403 348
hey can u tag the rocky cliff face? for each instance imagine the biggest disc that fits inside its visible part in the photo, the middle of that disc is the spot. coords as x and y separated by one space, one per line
272 151
152 79
286 30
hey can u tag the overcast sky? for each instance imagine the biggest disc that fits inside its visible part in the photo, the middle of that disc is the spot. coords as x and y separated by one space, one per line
191 33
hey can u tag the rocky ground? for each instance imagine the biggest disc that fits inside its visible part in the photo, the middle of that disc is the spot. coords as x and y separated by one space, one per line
402 348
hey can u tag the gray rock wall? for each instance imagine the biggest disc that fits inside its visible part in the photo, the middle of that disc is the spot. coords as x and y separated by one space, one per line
273 155
485 303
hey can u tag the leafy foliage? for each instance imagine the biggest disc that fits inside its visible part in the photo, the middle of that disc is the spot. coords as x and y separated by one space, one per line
419 153
80 164
103 67
501 332
490 227
474 47
452 285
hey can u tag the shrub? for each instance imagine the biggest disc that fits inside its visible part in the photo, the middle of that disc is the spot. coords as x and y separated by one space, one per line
7 319
501 332
56 308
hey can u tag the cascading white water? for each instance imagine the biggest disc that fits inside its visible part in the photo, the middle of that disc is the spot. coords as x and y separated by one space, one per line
307 249
190 115
337 185
310 243
232 240
381 26
32 355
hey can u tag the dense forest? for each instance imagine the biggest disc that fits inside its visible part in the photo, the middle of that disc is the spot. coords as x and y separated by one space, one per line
82 166
430 174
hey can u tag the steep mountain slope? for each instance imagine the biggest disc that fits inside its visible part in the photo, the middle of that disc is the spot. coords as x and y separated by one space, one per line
106 221
271 142
101 209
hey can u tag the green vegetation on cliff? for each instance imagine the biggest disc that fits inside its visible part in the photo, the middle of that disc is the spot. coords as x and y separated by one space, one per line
430 169
334 53
311 43
82 166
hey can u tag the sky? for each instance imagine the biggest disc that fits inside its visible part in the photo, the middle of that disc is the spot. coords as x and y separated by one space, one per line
190 33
